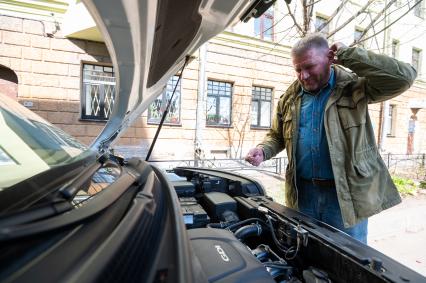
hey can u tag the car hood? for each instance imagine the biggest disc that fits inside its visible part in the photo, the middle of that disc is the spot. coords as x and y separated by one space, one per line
148 42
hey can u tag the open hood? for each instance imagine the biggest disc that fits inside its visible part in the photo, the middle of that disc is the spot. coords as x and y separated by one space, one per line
149 41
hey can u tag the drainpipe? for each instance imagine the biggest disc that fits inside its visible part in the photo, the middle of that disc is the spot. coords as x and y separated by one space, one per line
200 117
385 105
385 126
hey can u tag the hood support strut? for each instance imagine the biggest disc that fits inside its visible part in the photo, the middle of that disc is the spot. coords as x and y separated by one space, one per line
166 111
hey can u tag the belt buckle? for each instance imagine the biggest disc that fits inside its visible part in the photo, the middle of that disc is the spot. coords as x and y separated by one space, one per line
321 182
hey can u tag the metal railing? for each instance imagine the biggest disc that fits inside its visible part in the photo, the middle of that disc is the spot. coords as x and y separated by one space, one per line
411 166
275 165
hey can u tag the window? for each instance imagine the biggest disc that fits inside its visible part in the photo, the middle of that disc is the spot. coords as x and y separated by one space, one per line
8 82
264 25
156 109
418 10
416 59
395 48
391 121
261 107
98 91
357 35
219 97
319 21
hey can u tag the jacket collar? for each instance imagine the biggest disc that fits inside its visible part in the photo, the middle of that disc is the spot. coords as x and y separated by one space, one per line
343 76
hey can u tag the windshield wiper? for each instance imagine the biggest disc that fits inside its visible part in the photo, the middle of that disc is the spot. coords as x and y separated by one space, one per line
60 203
166 111
69 190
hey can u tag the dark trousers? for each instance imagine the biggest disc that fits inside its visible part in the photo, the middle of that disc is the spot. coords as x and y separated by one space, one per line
322 204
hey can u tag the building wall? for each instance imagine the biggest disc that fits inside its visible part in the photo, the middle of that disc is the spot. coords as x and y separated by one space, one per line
245 62
48 71
49 82
409 31
398 142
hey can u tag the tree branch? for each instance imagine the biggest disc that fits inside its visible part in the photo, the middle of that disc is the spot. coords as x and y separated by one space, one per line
311 11
305 17
342 4
375 38
362 10
313 3
378 16
299 29
388 26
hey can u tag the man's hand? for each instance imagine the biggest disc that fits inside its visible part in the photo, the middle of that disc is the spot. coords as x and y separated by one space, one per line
333 51
255 156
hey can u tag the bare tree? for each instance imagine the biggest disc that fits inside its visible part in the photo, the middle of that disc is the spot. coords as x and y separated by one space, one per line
235 135
363 36
377 16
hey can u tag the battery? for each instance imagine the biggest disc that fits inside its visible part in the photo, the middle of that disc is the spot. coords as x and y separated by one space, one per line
194 215
184 188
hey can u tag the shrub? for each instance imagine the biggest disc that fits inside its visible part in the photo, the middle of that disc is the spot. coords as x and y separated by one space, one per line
405 186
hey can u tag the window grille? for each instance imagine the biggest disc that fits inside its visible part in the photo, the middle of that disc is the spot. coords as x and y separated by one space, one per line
98 91
157 108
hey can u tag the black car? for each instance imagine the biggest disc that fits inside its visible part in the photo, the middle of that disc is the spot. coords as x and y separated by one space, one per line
71 213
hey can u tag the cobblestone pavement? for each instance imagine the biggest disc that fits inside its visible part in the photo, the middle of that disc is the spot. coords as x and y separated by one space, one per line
399 232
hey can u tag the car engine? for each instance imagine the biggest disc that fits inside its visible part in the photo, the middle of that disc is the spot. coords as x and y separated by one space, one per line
236 239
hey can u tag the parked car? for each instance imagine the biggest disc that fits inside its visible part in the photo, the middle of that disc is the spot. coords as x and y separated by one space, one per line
72 213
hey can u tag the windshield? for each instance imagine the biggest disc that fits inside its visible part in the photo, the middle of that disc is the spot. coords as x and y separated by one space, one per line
29 145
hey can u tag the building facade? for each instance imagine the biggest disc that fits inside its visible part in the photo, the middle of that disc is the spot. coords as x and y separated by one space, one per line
60 68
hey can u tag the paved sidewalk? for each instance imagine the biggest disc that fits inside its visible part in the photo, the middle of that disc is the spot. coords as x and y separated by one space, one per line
400 232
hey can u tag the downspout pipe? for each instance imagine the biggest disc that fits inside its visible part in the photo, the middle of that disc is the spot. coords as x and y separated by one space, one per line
201 103
385 126
385 110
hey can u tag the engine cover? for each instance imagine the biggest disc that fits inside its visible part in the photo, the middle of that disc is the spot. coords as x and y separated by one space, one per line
225 259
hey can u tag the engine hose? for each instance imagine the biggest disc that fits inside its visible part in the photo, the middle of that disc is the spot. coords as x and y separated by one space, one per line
247 231
220 225
235 225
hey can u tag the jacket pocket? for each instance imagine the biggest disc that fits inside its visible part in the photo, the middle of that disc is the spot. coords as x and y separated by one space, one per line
366 163
350 113
287 126
365 168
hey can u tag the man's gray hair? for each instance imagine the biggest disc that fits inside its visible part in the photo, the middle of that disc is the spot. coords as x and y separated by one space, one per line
313 40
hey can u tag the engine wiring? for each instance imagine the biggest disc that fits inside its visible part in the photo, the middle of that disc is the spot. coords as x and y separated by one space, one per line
301 236
274 236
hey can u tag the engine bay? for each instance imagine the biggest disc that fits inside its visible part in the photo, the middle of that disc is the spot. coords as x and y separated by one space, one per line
223 221
135 221
238 234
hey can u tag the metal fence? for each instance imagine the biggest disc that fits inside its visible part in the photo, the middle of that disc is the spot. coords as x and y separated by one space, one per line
410 166
274 165
403 165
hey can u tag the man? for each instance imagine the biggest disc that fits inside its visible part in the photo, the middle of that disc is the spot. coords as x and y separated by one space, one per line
335 173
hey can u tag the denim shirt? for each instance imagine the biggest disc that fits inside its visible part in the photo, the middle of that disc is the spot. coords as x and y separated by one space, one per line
312 153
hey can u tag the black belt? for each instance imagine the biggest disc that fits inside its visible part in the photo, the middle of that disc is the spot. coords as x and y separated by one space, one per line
323 183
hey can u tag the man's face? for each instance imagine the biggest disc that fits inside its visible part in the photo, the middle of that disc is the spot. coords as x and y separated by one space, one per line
312 68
